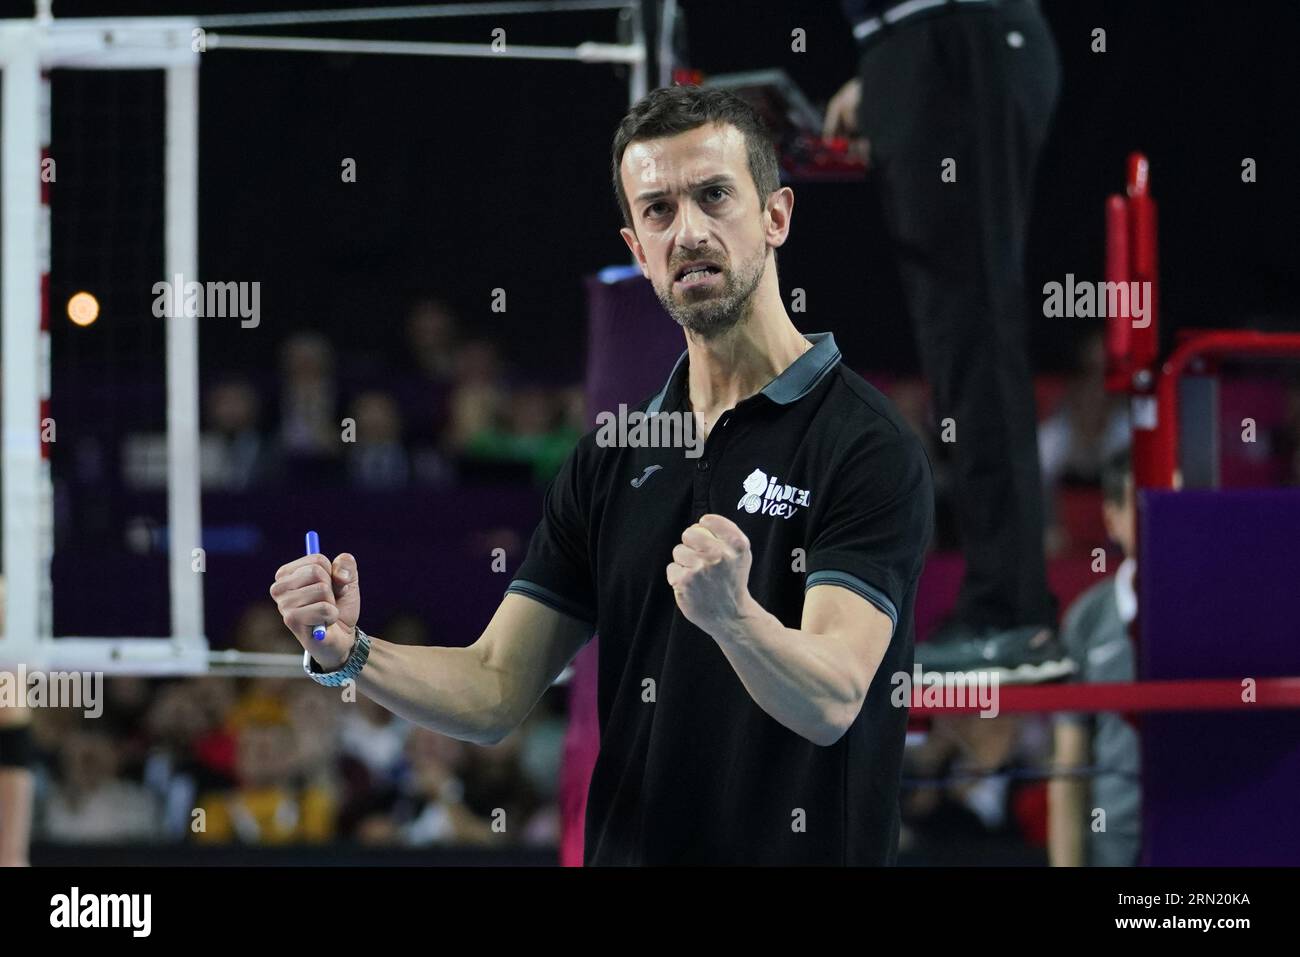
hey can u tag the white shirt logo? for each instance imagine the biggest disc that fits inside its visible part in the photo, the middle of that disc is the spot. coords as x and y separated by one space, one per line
770 497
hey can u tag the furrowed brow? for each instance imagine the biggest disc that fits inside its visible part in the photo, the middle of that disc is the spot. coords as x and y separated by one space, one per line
651 195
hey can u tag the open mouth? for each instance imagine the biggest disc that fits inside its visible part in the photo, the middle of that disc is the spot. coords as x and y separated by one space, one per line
695 274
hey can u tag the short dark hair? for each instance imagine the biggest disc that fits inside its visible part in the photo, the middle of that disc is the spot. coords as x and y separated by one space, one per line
670 110
1116 472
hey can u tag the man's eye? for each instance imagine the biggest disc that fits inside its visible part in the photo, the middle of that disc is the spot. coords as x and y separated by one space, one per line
716 189
650 210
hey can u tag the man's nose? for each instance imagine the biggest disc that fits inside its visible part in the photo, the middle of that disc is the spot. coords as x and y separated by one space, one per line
692 226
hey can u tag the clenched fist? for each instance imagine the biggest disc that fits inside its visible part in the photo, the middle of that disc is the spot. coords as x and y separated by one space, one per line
709 574
312 591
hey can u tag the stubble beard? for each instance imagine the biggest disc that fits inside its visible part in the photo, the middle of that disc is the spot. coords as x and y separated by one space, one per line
709 316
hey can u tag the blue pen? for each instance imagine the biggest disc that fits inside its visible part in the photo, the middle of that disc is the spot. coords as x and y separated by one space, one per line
313 548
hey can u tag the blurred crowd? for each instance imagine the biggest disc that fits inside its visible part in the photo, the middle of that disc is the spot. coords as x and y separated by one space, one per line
448 412
445 408
975 790
277 761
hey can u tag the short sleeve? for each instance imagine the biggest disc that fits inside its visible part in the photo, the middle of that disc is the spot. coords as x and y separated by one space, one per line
556 569
874 527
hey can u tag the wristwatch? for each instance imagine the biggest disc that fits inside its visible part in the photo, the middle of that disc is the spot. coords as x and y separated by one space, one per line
347 671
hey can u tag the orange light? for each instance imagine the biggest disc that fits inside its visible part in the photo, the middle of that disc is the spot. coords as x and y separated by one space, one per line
83 308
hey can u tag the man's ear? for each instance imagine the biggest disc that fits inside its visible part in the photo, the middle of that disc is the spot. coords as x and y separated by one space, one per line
629 237
779 208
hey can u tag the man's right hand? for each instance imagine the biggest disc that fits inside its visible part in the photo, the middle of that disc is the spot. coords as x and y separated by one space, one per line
312 591
842 119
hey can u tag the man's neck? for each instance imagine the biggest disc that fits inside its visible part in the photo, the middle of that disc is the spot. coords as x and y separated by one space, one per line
729 368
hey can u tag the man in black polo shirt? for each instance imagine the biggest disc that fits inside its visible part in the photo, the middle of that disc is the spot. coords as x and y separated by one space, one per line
754 593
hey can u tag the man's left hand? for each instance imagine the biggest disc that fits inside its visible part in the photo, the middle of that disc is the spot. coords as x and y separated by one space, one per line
709 575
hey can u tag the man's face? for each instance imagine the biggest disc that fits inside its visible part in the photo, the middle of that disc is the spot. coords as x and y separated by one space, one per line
693 201
1121 520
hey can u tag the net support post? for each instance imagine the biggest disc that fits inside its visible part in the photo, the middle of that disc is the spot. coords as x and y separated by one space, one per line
181 258
20 273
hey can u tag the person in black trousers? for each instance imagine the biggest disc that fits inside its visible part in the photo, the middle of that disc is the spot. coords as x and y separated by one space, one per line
951 108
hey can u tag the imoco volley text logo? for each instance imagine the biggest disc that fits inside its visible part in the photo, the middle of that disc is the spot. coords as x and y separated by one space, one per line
770 497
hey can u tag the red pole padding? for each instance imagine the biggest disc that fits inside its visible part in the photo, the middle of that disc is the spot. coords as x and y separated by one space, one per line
1119 360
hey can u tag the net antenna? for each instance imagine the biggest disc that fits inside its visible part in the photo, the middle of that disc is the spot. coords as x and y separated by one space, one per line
29 50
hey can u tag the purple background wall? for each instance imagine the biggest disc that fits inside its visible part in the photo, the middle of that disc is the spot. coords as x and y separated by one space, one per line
1218 598
431 557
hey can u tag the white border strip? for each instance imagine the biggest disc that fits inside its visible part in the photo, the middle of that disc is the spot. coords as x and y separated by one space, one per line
20 317
160 658
181 257
582 53
426 12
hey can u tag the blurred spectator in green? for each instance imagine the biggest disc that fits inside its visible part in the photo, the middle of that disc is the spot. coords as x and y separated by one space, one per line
535 429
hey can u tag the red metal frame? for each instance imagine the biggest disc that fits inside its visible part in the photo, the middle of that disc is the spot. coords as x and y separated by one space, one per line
1133 367
1132 363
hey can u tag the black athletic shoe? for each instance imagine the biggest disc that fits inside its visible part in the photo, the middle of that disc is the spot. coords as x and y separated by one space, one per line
1032 654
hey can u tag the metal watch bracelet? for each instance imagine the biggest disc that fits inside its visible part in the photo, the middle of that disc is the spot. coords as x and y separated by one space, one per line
347 671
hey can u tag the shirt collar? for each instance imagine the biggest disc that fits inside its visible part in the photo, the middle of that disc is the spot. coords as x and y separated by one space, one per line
794 383
1125 595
